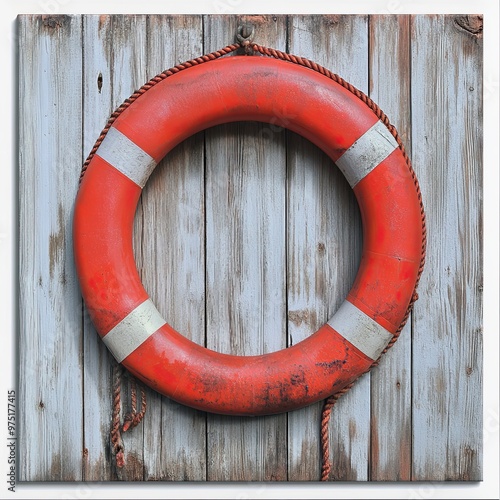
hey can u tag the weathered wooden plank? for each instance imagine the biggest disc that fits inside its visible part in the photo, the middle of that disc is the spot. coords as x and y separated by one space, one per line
390 454
128 73
125 52
114 55
50 131
172 229
447 324
245 252
324 249
97 389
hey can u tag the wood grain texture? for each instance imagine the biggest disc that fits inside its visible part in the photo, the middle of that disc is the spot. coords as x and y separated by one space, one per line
171 228
97 388
247 238
128 58
447 323
50 345
324 249
245 259
390 451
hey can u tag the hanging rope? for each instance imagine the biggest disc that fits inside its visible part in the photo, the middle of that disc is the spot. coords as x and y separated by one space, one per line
116 438
325 442
330 402
244 36
131 419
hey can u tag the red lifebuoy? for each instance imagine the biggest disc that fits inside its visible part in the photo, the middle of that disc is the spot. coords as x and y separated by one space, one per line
259 89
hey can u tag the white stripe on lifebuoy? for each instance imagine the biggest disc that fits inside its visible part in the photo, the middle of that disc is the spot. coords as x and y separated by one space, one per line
360 330
133 330
371 149
126 156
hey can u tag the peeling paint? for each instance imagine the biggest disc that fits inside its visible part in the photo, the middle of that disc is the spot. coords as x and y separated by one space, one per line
309 317
57 242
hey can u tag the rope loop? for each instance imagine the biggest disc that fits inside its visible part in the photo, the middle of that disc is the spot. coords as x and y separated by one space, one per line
244 36
131 419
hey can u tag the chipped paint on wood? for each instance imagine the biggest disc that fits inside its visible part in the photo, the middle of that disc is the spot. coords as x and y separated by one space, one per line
256 226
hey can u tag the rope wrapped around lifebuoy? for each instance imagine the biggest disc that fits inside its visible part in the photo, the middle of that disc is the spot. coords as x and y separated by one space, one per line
374 163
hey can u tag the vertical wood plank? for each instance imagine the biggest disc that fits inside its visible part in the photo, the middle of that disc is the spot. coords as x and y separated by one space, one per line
391 381
246 303
50 386
172 228
98 105
447 322
114 58
129 59
324 249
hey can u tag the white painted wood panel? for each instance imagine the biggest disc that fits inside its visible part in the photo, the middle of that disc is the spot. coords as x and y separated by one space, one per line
447 325
324 249
50 343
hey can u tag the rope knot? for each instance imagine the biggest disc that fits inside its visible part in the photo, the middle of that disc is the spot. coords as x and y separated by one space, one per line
120 459
131 420
128 422
117 448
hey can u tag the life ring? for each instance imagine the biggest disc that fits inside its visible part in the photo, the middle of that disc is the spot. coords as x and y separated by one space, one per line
257 89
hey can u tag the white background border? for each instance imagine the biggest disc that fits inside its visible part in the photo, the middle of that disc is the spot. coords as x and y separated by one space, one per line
489 488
